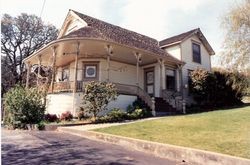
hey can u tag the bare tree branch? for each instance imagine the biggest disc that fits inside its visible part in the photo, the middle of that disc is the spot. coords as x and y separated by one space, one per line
20 37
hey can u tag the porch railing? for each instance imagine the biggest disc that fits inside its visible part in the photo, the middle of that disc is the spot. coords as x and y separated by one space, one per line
174 98
137 91
66 86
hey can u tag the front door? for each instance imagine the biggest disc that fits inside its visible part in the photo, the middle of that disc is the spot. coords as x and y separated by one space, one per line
149 81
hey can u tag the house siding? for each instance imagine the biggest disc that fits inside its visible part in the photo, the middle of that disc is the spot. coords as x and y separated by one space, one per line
184 52
187 57
62 102
119 72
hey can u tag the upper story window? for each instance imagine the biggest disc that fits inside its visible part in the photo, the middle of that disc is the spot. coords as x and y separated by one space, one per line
196 52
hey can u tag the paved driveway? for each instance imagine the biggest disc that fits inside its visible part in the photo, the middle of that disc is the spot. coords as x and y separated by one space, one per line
44 147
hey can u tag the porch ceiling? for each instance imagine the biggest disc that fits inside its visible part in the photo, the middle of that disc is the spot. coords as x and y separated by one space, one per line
89 48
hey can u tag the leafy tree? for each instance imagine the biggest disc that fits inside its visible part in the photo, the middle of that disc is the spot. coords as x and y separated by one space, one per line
200 86
23 106
236 23
20 37
98 95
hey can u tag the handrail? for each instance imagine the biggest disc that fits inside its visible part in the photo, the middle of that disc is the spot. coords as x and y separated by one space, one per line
135 90
174 98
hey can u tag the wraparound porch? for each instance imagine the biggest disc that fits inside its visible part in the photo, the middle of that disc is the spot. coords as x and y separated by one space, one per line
135 72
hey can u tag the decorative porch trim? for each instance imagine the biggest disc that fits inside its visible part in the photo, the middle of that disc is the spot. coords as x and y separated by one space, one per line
168 58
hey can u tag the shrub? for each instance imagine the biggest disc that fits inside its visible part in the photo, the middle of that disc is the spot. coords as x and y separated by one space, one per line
81 113
51 117
134 112
23 106
66 116
104 119
41 126
217 89
140 113
97 95
117 115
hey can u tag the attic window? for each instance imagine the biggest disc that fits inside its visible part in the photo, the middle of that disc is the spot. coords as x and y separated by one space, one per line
196 53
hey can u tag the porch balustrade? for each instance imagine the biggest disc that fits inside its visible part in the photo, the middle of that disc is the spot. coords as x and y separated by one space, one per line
64 86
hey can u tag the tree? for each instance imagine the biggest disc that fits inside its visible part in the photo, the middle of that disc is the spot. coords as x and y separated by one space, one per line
236 22
98 95
20 37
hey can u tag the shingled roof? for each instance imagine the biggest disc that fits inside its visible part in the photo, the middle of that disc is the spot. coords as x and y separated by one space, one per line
177 38
183 36
106 31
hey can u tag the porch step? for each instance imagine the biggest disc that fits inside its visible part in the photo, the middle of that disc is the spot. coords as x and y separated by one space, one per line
163 108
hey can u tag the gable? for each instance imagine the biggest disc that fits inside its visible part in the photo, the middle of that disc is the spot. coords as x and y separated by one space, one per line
184 36
71 24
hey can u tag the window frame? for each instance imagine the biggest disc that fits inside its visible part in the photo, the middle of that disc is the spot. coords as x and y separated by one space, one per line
194 53
85 65
174 80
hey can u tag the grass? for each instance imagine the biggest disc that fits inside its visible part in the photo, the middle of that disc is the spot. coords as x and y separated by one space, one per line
223 131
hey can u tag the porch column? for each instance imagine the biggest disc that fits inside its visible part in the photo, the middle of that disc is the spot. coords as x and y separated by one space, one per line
162 73
138 61
178 78
110 52
76 67
75 78
28 74
53 68
39 69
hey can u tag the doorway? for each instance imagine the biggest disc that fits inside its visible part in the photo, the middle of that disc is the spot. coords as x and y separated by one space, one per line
149 81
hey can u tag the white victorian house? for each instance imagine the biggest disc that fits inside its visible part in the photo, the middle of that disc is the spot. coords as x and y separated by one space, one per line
88 49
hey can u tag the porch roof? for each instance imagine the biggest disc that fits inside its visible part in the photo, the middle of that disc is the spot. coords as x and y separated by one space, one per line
102 31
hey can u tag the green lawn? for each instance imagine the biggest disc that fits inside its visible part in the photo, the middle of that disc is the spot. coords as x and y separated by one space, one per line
224 131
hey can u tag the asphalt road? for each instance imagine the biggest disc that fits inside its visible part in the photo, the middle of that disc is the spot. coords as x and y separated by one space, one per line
44 147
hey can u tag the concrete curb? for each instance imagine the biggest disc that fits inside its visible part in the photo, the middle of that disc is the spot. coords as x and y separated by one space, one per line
172 152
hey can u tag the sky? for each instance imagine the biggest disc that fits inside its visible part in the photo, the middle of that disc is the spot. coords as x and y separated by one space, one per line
158 19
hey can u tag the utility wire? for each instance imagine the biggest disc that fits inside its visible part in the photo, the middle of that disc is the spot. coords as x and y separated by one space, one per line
44 1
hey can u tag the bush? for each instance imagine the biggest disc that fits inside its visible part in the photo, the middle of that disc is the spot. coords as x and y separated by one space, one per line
81 114
97 95
117 115
217 89
41 126
139 114
138 109
23 106
51 118
66 116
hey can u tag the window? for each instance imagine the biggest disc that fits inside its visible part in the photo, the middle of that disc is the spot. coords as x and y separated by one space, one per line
196 52
90 71
170 76
65 74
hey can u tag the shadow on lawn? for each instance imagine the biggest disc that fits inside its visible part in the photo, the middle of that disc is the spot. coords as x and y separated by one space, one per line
195 109
61 152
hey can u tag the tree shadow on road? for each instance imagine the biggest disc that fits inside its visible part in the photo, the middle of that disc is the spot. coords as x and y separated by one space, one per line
62 151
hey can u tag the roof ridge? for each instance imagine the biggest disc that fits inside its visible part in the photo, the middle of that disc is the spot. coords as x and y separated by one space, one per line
181 34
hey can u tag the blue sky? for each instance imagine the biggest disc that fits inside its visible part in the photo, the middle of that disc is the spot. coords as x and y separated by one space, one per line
158 19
